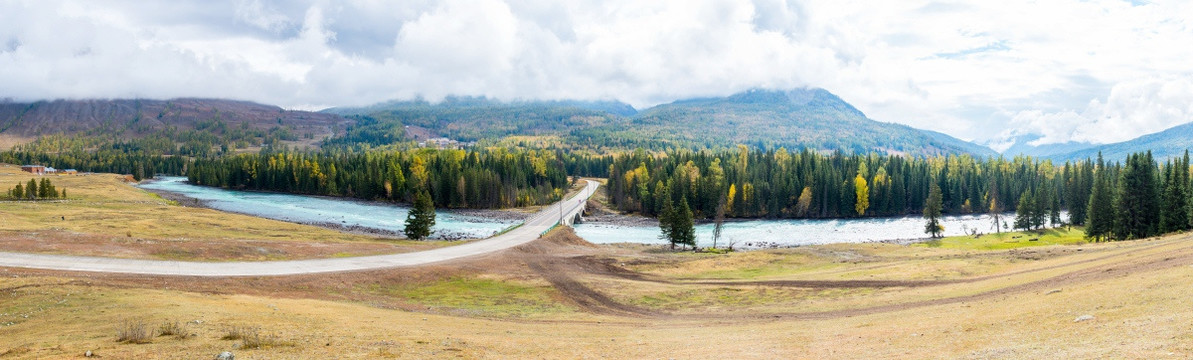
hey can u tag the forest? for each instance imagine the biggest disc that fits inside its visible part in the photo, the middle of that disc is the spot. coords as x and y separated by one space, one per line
495 178
756 183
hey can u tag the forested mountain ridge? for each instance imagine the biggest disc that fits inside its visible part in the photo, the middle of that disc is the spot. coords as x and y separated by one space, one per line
229 120
795 119
473 118
1167 144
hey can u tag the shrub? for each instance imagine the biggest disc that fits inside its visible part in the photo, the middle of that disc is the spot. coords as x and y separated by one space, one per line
171 328
133 331
252 337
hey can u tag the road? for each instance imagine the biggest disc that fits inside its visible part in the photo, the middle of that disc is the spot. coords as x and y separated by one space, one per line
534 226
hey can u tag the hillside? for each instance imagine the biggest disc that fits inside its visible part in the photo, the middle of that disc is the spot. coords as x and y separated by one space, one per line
796 119
1163 145
125 119
802 118
473 119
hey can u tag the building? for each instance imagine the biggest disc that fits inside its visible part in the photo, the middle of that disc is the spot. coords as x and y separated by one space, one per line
35 169
69 172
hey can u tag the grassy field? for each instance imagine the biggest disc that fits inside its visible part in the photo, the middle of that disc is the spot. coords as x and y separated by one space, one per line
1012 240
997 296
1013 306
104 215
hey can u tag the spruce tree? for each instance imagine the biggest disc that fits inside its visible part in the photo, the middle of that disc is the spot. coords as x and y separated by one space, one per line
421 217
666 219
683 230
1137 210
1100 214
1174 214
31 189
1025 212
932 208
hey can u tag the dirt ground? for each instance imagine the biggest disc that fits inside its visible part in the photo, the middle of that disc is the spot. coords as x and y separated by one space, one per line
561 297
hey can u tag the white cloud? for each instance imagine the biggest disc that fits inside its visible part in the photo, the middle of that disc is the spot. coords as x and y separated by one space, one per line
1068 70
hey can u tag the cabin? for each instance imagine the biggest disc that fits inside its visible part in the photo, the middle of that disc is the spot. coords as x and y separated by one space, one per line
69 172
35 169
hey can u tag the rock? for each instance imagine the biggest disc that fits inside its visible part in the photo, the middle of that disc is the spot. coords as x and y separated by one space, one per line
1053 291
88 354
1083 318
227 355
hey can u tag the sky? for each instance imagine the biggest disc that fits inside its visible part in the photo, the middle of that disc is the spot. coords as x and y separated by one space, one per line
1048 71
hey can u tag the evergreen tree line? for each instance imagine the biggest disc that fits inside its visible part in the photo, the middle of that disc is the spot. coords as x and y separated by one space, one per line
779 184
142 157
453 178
35 190
1140 198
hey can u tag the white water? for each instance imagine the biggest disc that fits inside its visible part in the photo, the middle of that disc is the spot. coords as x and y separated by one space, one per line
324 210
767 233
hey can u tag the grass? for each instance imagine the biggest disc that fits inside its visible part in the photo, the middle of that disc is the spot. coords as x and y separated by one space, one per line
171 328
481 296
104 215
133 332
1137 314
1012 240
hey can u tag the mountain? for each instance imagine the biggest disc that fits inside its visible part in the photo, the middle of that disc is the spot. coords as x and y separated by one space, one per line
476 118
800 118
1022 146
1163 145
796 119
135 118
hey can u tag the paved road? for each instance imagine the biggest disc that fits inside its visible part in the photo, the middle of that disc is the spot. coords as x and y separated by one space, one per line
530 230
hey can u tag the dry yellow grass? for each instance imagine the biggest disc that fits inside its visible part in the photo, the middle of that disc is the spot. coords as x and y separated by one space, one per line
563 299
1025 307
105 216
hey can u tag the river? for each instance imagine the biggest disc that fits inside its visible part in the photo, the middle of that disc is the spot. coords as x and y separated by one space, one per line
347 213
351 213
786 233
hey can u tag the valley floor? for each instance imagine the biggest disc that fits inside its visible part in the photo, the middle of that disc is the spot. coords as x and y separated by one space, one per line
1048 295
562 298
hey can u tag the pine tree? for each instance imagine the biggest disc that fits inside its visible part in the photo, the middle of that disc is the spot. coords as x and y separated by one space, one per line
1175 198
932 209
1025 212
1137 210
683 230
421 217
31 189
666 218
1100 220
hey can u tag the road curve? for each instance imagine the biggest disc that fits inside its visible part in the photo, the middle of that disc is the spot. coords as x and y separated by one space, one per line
531 229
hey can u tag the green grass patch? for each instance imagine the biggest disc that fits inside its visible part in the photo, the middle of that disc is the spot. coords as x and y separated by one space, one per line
485 297
1011 240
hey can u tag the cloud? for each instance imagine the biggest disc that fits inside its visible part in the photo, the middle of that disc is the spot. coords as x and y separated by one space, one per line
1066 70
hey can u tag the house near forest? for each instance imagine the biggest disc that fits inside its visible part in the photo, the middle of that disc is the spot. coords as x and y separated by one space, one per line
35 169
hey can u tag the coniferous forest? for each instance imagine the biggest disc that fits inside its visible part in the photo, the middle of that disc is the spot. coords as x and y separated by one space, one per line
454 178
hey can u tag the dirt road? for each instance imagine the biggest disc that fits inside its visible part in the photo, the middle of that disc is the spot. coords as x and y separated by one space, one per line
528 231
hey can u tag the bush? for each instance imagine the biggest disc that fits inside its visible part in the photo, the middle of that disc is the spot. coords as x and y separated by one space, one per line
171 328
252 337
133 331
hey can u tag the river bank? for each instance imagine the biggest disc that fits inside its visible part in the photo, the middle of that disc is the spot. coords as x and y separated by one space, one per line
348 215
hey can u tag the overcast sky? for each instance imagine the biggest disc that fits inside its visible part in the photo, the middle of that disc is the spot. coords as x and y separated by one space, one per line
1095 70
